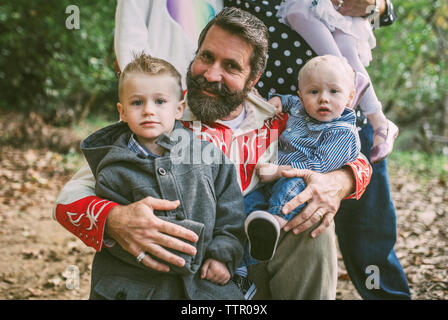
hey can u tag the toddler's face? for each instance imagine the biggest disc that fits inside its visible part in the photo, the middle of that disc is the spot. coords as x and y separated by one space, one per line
325 92
150 105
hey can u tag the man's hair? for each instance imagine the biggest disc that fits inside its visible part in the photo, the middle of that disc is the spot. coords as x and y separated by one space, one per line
249 28
329 59
145 64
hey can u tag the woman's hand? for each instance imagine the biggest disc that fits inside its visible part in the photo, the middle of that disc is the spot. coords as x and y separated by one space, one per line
358 8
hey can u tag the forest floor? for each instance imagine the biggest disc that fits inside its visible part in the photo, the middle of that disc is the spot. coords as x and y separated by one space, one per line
39 257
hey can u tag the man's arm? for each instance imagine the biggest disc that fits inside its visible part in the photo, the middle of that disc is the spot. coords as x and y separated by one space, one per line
134 227
81 212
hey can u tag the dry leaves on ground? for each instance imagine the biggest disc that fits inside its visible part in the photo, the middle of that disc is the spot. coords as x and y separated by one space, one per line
39 256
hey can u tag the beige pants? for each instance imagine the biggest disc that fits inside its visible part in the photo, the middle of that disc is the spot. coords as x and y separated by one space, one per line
303 268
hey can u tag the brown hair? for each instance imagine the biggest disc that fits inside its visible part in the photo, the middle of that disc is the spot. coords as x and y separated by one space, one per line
144 63
247 27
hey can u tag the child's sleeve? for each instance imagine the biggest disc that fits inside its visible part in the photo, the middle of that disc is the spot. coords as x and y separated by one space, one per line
289 101
228 240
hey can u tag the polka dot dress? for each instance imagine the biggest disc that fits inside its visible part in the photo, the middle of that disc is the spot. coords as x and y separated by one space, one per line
288 52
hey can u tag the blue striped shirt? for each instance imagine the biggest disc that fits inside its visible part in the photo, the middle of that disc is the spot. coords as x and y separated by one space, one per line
319 146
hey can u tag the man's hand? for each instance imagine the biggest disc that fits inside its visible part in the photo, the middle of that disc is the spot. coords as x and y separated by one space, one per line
358 8
323 193
137 230
215 271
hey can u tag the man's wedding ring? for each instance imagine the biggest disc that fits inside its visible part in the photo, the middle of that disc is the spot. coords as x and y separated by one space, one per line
340 4
140 257
319 214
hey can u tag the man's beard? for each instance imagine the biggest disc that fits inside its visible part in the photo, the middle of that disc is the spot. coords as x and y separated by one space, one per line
209 109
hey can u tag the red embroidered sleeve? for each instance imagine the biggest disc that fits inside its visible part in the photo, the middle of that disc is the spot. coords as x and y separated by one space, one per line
362 172
85 218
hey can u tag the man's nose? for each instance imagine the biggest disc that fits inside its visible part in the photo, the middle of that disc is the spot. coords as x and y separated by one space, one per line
213 73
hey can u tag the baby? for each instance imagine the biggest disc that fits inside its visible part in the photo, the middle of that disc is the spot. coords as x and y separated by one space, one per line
321 135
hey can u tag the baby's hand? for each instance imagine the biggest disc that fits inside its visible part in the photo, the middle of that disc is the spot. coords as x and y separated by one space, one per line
215 271
269 172
277 103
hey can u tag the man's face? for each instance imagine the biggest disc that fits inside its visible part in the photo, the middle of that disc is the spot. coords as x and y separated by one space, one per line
218 78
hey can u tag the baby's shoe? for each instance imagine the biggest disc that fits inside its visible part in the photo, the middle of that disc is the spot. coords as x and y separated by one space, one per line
382 150
263 231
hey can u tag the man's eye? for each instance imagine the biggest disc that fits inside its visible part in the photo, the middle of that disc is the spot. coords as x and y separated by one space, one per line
206 56
231 66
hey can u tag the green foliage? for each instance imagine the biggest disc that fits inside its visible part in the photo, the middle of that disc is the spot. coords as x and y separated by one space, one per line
421 165
92 124
410 69
46 67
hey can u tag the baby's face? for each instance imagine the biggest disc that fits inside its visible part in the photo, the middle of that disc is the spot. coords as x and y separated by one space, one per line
150 105
325 92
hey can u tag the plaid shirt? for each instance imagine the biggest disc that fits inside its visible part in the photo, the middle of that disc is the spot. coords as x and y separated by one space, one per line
136 147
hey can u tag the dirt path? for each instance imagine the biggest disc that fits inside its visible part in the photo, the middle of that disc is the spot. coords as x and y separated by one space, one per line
39 257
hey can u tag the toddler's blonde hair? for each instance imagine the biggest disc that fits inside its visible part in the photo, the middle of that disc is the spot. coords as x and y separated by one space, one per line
146 64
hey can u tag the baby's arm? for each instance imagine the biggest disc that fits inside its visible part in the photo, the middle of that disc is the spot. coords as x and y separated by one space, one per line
215 271
284 103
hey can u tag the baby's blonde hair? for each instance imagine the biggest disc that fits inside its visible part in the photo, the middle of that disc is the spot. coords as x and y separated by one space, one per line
145 64
331 60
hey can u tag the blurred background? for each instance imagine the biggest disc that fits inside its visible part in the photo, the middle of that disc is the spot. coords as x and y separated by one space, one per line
57 85
67 76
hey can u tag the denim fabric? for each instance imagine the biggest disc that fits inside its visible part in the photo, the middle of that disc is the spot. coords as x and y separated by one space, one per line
273 196
367 233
